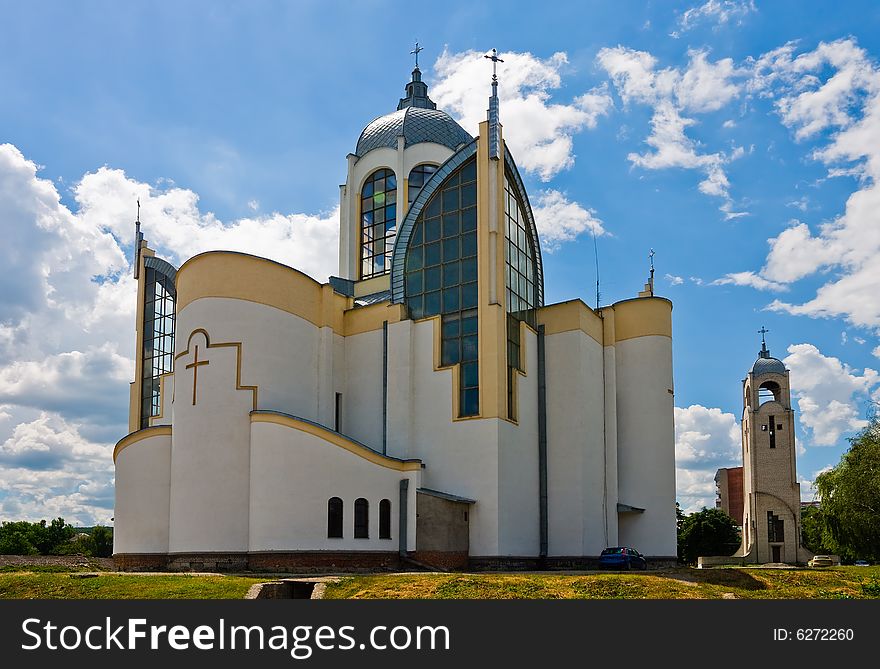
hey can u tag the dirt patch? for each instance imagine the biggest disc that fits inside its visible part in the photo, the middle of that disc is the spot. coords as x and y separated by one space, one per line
71 562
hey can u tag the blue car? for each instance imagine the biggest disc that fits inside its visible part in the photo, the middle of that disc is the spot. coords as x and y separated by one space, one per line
622 557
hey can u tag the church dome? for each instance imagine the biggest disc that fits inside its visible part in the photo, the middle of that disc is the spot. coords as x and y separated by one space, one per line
417 119
768 366
415 125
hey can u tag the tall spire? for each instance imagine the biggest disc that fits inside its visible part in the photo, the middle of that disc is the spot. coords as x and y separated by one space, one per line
417 90
494 126
138 240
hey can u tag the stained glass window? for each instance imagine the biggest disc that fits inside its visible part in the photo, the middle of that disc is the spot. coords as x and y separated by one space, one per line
441 276
520 281
378 223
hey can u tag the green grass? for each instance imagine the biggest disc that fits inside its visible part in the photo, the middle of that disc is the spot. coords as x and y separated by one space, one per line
53 585
742 583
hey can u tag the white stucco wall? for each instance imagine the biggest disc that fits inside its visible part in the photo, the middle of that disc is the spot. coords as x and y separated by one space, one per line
143 482
280 351
362 398
519 523
461 457
575 444
646 444
294 474
210 451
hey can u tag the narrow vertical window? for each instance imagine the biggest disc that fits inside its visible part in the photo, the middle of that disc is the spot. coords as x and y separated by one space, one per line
337 421
378 223
334 518
160 296
772 431
385 519
361 518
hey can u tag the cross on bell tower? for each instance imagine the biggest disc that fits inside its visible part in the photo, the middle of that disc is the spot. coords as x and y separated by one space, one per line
494 122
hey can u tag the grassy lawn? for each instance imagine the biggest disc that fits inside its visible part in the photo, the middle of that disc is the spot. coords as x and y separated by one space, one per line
827 583
50 584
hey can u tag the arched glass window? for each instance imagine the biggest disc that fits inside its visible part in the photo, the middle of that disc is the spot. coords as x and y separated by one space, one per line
361 518
385 519
441 276
334 518
378 222
418 176
520 280
160 296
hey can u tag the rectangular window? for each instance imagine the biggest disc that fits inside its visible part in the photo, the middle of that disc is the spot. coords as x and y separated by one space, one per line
772 432
337 422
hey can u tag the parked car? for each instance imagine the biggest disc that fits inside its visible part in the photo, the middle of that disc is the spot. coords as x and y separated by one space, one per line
622 557
821 561
862 563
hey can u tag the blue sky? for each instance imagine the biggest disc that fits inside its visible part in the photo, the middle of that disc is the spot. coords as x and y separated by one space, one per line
740 140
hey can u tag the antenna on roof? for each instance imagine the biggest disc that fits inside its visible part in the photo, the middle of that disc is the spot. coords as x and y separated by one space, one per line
138 239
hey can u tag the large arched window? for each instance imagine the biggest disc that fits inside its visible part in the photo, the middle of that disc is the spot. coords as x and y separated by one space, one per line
385 519
378 222
160 296
521 281
418 177
361 518
334 518
441 276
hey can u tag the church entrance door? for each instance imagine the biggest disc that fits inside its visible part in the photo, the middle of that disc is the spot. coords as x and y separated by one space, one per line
777 553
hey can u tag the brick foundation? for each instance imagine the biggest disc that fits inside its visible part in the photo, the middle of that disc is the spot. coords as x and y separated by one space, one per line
293 561
454 560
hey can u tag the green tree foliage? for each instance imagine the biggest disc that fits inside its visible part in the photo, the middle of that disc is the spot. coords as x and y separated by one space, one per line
811 531
23 538
102 541
850 498
707 532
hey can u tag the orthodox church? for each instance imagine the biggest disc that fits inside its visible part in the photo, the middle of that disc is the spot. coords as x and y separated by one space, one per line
425 406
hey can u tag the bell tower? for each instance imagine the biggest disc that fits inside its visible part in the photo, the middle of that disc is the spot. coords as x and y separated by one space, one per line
771 526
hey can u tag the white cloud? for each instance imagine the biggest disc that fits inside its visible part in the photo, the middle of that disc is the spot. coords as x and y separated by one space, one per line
538 130
748 279
729 123
828 393
706 439
67 319
702 87
831 94
674 280
560 220
719 12
876 352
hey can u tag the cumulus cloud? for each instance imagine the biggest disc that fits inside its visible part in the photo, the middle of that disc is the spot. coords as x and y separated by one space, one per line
832 95
539 130
828 393
706 439
748 279
67 319
674 280
560 220
718 12
703 86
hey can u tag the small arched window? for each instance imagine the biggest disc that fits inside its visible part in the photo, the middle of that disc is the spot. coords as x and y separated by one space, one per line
361 518
378 222
418 177
769 391
385 519
334 518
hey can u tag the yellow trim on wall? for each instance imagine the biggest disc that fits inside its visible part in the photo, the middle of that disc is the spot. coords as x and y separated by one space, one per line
232 344
135 398
140 435
642 317
246 277
570 315
162 379
370 318
372 285
336 439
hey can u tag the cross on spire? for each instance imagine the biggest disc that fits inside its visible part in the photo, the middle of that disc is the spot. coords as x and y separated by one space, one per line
495 60
416 52
762 332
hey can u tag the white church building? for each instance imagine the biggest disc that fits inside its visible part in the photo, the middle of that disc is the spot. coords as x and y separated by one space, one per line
426 406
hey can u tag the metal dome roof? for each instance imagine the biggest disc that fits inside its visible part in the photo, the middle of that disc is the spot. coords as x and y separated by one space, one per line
768 366
416 125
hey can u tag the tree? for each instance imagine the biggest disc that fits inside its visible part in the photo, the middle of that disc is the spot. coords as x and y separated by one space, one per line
102 541
707 532
849 497
812 526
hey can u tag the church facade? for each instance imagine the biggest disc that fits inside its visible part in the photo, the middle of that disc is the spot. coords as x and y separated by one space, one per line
426 405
